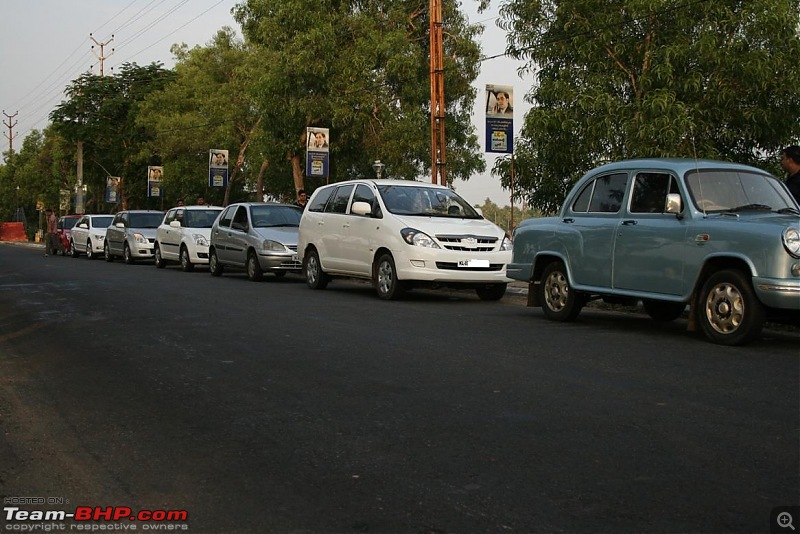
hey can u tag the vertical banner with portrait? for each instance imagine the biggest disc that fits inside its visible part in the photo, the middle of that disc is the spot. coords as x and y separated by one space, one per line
112 189
217 168
318 152
154 175
499 119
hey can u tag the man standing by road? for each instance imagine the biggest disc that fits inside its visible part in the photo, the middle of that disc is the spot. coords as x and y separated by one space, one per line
51 238
790 161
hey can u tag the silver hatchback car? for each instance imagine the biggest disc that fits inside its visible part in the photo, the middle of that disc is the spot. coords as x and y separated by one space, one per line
257 237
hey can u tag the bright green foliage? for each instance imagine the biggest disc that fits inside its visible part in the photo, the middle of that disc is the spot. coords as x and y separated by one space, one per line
362 69
502 216
101 112
651 78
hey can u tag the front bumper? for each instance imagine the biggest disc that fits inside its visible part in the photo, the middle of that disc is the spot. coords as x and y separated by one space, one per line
448 266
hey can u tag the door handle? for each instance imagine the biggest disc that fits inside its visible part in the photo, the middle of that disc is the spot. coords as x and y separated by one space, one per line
569 220
630 222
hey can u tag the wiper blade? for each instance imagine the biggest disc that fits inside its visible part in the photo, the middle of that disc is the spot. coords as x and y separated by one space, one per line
788 211
752 207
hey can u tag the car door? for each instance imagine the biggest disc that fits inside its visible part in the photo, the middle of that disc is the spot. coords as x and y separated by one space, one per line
594 216
360 233
220 233
236 246
171 236
337 229
115 235
649 249
80 233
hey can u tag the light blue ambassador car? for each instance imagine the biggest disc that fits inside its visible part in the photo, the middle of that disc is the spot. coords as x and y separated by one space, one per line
721 237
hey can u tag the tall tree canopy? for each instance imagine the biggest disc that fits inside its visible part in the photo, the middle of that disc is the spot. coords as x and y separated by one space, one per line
362 70
647 78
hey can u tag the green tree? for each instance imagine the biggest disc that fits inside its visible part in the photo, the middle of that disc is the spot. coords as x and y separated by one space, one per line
362 70
651 78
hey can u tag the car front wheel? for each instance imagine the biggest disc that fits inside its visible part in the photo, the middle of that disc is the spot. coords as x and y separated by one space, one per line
254 271
126 254
214 266
186 262
559 301
89 250
107 253
315 276
160 263
72 250
728 310
387 285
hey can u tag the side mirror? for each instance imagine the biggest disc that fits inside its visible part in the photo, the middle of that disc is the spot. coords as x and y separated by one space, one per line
120 224
83 225
361 208
673 204
175 224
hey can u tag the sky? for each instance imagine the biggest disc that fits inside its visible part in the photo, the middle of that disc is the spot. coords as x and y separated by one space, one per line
46 44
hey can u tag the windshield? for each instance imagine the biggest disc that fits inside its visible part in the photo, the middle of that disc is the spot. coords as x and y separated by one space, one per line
426 201
265 216
201 218
101 222
145 220
724 191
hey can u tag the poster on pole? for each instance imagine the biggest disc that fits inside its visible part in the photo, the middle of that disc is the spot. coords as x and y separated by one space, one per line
317 152
500 119
217 168
112 190
154 175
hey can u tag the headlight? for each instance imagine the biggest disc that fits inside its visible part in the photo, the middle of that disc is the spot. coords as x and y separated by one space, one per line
507 244
791 241
417 238
200 240
139 238
273 246
99 237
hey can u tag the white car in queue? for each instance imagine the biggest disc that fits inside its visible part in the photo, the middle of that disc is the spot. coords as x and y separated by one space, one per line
88 235
401 234
184 235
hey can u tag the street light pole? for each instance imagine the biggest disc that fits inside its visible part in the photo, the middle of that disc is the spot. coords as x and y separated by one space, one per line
378 168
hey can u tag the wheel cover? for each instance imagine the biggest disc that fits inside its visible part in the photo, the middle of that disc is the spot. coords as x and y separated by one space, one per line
184 258
251 266
385 277
212 262
556 291
725 308
312 273
158 255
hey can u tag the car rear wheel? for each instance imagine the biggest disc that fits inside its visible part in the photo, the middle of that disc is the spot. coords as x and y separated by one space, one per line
107 253
89 250
126 254
160 263
186 262
254 271
214 266
559 301
491 291
387 285
661 311
728 310
315 276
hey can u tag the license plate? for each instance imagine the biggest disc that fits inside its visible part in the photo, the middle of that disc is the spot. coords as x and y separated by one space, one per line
473 263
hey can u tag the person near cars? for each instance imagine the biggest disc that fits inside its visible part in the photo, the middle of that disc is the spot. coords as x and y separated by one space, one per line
790 161
51 238
302 198
201 201
180 202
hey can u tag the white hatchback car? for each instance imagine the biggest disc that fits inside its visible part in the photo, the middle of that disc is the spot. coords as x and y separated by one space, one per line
401 234
184 236
88 235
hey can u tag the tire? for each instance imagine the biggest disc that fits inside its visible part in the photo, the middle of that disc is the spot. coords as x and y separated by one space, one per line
559 301
214 266
72 250
491 291
386 282
315 276
107 253
186 262
89 251
126 254
728 310
160 261
662 311
254 271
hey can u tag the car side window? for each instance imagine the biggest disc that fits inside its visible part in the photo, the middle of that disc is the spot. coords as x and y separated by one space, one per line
170 215
608 193
338 203
365 194
239 221
227 215
649 193
318 204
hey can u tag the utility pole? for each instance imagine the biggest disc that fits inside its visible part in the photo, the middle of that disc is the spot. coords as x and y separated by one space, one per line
438 158
102 46
10 135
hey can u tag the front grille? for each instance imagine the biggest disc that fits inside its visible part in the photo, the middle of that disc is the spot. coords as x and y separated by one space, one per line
294 265
452 266
468 243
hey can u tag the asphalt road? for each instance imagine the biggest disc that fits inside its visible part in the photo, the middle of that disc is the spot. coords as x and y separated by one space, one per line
268 407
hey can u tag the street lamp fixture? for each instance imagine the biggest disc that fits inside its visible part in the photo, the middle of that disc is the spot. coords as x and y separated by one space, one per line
378 167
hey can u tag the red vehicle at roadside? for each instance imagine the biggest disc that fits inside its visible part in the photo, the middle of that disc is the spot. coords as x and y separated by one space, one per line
63 230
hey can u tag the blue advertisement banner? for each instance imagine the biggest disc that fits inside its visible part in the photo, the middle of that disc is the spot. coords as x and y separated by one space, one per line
499 135
317 152
112 190
217 177
154 175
